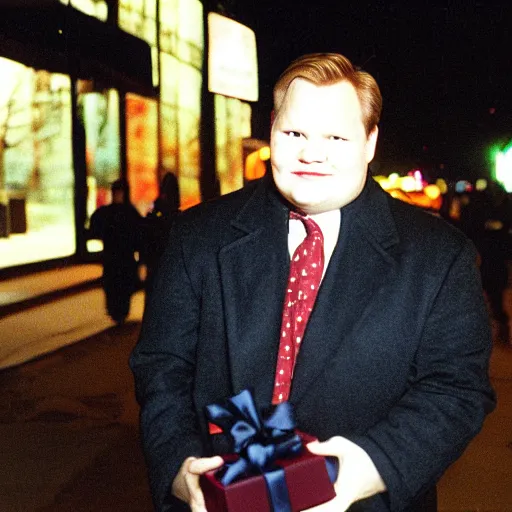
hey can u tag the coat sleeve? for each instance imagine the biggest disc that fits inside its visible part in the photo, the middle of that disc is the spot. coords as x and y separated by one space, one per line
163 364
96 225
448 396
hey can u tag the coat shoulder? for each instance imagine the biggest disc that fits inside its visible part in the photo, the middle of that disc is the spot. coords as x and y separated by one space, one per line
218 211
414 223
210 225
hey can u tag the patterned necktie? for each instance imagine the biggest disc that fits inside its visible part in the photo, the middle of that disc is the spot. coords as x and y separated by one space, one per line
306 269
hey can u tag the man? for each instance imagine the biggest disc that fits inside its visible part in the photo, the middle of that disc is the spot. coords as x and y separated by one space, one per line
117 225
392 373
157 224
486 220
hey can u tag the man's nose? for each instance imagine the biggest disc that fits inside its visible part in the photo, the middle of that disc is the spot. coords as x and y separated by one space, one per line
313 151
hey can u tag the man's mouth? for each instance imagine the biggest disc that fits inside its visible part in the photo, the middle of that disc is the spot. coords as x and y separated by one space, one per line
310 173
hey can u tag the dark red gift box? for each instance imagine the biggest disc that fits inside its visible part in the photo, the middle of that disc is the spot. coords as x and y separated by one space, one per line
306 478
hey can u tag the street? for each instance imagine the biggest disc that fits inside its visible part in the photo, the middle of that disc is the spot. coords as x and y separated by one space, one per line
68 430
69 434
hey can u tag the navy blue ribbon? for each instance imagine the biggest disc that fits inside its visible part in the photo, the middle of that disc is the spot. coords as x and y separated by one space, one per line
259 443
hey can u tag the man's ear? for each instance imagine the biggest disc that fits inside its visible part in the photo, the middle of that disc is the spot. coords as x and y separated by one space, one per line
371 144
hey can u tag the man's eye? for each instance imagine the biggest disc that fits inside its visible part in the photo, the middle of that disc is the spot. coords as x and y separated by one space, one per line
293 134
336 137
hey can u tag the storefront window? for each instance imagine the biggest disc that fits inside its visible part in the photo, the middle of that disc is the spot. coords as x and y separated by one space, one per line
169 107
188 133
142 150
98 111
232 124
36 169
95 8
181 40
138 17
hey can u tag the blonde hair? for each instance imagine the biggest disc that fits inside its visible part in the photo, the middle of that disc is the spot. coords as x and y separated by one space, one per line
328 69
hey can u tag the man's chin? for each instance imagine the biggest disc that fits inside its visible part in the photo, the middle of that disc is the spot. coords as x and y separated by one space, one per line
311 206
317 205
310 198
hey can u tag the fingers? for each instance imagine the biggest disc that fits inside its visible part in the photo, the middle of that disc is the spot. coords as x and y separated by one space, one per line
335 446
200 466
196 467
334 505
358 477
196 498
318 508
186 484
315 447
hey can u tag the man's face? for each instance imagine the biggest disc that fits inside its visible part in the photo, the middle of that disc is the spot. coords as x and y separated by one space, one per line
319 148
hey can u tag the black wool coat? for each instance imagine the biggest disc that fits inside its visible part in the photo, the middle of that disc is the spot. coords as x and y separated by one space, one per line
395 355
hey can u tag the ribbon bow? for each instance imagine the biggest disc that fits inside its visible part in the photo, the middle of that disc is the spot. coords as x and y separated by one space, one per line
260 443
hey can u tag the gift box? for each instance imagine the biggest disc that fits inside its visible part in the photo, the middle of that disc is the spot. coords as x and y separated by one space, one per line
270 470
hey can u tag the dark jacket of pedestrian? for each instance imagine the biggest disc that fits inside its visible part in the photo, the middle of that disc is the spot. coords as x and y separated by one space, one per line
118 226
157 225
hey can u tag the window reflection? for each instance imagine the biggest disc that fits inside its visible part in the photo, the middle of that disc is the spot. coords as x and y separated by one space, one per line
232 125
142 150
36 170
98 112
95 8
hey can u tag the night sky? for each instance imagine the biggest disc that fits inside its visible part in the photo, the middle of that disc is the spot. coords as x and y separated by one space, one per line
444 68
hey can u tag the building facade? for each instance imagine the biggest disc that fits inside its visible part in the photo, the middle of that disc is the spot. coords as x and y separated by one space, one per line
96 90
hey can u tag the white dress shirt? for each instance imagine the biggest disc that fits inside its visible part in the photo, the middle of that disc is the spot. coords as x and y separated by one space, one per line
329 223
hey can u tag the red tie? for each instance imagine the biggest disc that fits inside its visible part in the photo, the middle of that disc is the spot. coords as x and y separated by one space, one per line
306 269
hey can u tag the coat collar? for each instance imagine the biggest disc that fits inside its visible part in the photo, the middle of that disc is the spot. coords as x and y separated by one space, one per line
361 265
254 272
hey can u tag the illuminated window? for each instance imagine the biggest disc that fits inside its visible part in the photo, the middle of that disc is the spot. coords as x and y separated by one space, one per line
169 26
233 77
181 43
232 124
142 150
98 112
188 134
255 163
95 8
138 17
36 165
232 59
169 108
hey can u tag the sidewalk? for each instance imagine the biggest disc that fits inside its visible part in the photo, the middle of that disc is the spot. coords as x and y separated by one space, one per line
69 429
42 312
24 291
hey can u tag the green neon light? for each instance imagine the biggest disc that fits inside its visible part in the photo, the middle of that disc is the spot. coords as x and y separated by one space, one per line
503 161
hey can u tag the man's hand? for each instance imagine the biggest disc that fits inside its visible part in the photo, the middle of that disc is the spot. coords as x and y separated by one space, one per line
186 484
358 477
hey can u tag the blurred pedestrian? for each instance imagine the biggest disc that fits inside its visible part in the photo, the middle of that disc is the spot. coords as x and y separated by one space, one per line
486 219
157 224
118 226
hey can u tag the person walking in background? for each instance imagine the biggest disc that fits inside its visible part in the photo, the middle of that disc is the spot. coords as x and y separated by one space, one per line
118 226
312 285
157 224
486 219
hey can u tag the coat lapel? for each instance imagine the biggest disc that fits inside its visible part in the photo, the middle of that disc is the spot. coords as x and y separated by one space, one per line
360 266
254 271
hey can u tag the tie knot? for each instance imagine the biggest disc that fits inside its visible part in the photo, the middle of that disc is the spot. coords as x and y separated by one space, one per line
311 226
